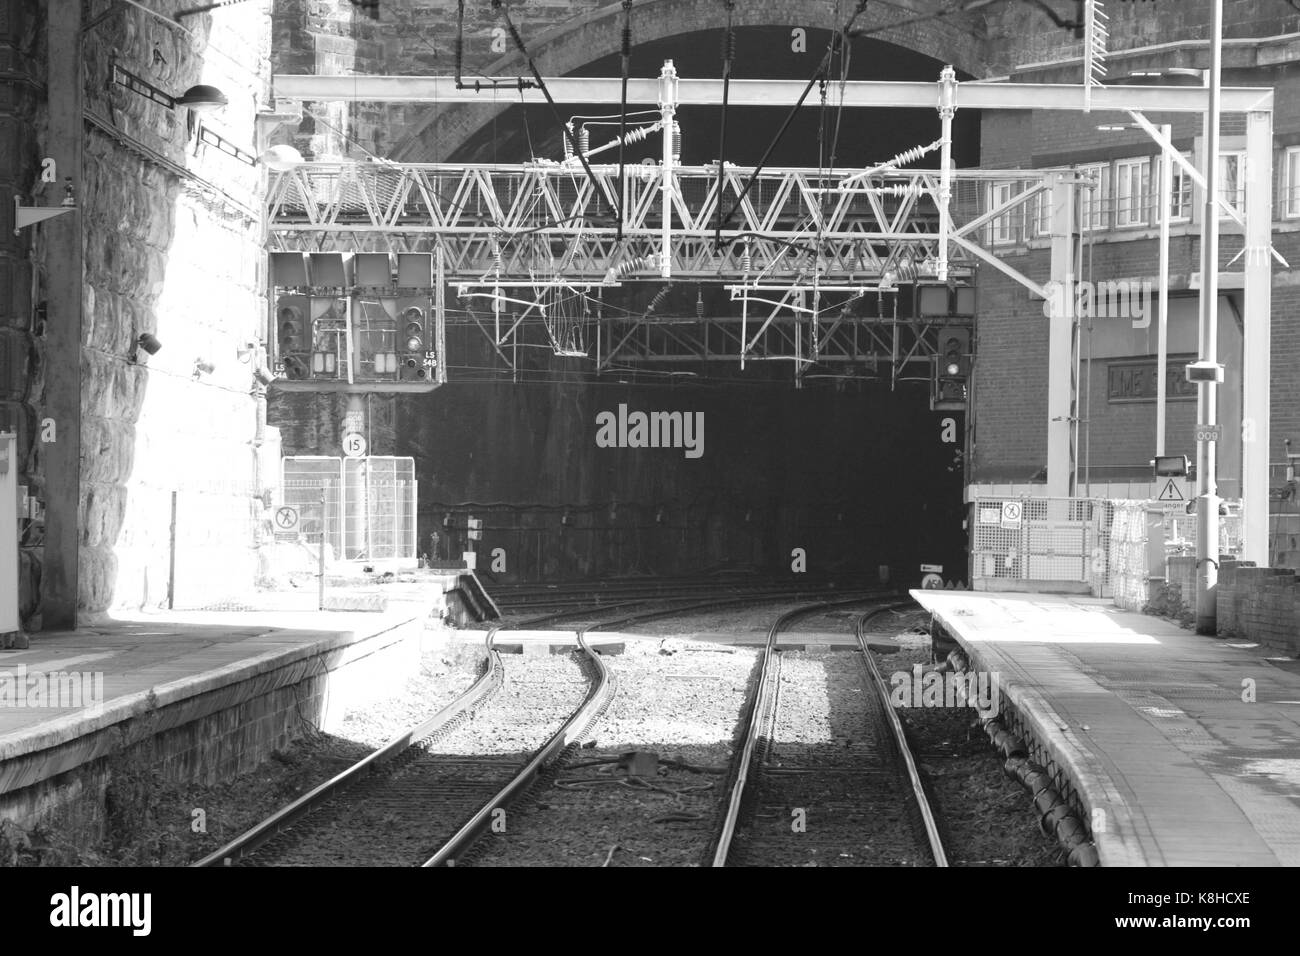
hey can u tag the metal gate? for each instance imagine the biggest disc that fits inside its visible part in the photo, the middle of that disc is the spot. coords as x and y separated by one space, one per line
1033 539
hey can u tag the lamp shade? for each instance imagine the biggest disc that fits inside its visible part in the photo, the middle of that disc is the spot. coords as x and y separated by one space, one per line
202 98
281 158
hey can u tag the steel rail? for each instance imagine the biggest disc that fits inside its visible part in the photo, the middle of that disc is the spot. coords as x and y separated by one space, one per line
582 720
758 707
900 738
249 841
573 729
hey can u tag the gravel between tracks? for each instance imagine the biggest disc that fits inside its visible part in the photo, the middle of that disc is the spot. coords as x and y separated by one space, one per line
680 699
400 817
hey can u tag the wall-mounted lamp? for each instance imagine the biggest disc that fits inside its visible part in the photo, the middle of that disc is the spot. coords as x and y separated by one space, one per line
146 341
245 352
201 98
280 158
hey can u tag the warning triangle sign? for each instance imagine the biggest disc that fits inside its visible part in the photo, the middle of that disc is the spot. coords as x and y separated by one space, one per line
1170 492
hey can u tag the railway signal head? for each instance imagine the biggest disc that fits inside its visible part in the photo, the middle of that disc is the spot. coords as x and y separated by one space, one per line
951 370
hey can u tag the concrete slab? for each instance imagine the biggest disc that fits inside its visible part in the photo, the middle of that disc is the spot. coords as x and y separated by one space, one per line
1188 746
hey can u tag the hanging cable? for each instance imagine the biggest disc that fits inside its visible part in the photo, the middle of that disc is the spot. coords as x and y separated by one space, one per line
622 108
489 83
818 75
728 58
500 6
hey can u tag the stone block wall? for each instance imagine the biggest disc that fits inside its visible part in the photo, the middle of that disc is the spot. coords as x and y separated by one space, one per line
172 247
22 63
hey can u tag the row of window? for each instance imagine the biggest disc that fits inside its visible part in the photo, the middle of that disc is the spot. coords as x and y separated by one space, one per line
1123 196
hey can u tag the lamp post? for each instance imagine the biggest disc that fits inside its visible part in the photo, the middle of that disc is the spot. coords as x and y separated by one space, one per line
1207 501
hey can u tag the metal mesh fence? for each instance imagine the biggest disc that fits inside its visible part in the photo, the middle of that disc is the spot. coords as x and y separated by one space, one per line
363 508
1041 539
379 508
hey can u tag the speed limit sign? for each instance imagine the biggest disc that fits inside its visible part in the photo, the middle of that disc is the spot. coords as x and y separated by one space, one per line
354 444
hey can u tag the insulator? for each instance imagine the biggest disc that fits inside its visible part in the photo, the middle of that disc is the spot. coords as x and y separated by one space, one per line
907 155
657 300
729 45
635 265
699 304
640 133
746 260
677 142
584 139
496 254
900 189
568 142
627 40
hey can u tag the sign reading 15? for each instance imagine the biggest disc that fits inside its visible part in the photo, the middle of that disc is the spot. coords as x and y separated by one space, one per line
354 444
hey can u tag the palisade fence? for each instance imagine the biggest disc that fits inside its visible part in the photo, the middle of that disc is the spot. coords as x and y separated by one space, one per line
1098 543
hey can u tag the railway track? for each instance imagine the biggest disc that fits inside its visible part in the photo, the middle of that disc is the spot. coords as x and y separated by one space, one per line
824 776
399 804
426 797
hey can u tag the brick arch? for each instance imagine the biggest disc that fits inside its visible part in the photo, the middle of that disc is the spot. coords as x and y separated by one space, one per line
957 39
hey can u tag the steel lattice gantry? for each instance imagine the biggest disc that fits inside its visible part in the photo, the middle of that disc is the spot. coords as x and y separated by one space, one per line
800 254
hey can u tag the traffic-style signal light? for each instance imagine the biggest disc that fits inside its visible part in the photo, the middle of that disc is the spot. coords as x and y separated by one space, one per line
293 340
952 369
414 342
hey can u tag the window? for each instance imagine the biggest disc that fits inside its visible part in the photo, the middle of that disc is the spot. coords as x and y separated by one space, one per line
1003 228
1180 195
1041 214
1291 183
1096 200
1132 191
1232 181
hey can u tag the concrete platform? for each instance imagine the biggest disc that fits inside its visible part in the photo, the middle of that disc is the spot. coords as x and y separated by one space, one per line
1184 750
211 693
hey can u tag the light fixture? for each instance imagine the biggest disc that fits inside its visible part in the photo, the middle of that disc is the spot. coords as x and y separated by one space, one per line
245 352
200 98
203 98
202 367
280 158
1174 76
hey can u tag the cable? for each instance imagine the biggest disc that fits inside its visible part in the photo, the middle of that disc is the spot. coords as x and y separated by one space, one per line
818 74
541 85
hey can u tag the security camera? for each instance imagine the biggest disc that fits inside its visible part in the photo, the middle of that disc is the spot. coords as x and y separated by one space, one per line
147 342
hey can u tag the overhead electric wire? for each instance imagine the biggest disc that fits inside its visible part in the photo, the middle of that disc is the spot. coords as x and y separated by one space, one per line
818 74
518 82
500 6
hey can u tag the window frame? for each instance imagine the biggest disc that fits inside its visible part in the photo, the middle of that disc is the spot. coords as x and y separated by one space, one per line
1132 211
1290 182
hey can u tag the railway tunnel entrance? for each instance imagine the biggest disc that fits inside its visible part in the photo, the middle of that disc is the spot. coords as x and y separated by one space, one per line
831 456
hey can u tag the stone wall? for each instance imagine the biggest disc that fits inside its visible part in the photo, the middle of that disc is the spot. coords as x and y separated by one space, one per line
172 245
22 56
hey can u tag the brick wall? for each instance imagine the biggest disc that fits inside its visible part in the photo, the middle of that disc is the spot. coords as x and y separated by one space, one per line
1260 604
